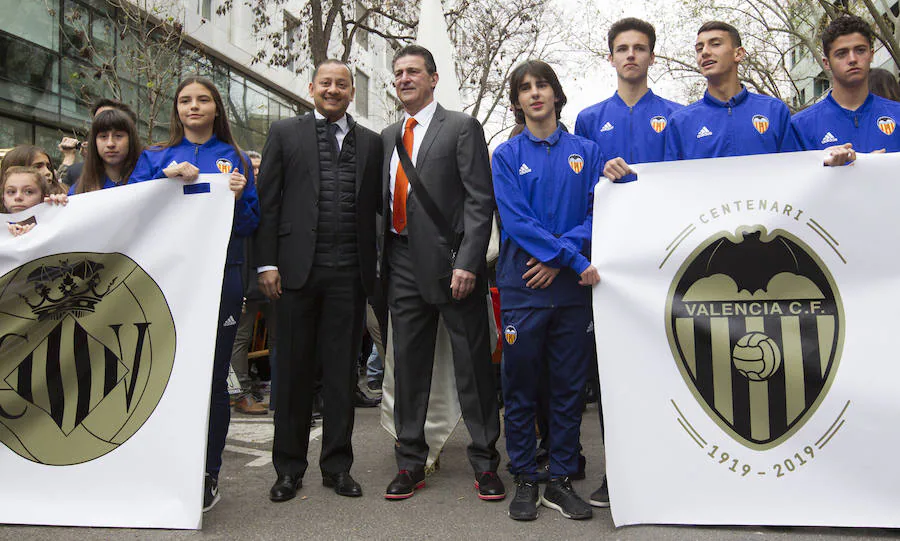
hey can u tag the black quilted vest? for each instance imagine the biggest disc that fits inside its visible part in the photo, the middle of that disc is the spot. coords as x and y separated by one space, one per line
336 229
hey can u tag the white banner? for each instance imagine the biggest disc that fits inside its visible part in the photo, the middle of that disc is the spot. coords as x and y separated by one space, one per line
746 326
108 312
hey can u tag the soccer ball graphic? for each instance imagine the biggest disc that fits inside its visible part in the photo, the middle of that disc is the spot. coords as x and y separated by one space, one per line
756 356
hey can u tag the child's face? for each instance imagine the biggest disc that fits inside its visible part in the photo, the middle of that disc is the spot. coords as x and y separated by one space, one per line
112 146
21 192
196 107
42 164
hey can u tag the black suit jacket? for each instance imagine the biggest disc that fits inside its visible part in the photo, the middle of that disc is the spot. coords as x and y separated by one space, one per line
455 168
288 188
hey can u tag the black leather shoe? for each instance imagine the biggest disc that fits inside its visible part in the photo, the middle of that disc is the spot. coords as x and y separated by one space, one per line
343 484
285 488
404 484
489 486
360 400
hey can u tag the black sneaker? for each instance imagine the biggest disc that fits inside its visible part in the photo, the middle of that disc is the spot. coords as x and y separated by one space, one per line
524 505
600 497
210 492
560 495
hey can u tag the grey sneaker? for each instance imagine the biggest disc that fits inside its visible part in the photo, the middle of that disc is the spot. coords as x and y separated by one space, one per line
524 505
600 497
210 492
560 495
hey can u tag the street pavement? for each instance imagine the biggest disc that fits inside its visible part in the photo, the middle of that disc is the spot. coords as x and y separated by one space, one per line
447 508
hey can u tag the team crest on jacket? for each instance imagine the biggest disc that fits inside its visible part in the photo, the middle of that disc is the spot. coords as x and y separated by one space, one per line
510 333
87 345
658 123
887 125
761 123
756 324
576 162
224 165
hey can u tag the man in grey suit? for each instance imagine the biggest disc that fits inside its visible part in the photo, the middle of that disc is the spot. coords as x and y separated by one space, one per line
451 161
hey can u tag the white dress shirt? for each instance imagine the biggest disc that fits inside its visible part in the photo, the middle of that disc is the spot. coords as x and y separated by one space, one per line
423 119
343 128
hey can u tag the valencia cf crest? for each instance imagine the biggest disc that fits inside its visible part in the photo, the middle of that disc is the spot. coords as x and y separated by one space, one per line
510 333
887 125
658 123
224 165
576 162
87 344
761 123
756 325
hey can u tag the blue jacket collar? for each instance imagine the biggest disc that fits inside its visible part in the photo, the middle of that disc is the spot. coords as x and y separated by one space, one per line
212 141
733 102
551 140
649 95
866 105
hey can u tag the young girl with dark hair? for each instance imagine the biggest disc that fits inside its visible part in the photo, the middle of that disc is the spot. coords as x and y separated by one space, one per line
113 150
201 142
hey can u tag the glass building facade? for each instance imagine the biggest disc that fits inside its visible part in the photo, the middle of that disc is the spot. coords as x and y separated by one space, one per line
47 83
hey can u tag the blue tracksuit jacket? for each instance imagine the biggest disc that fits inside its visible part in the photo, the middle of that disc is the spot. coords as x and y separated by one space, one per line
746 124
872 126
213 156
636 134
107 184
545 191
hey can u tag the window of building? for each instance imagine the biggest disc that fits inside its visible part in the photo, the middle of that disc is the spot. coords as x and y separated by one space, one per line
14 132
362 37
394 108
291 34
821 84
31 21
206 9
361 81
390 48
48 90
48 139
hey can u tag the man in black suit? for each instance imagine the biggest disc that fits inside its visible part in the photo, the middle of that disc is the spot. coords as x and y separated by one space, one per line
450 156
315 250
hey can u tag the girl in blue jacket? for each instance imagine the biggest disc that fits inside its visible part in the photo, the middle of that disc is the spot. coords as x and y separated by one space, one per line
201 142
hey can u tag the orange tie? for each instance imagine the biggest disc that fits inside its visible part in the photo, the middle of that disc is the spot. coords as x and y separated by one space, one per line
401 183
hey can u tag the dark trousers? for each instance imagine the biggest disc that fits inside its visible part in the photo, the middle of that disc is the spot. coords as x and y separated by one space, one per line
319 327
219 409
414 333
560 337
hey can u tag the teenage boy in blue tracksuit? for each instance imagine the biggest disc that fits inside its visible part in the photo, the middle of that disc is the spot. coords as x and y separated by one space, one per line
728 120
543 183
186 159
850 119
630 126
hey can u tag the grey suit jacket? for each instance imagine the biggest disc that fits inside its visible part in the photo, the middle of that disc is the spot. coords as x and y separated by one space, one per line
454 167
